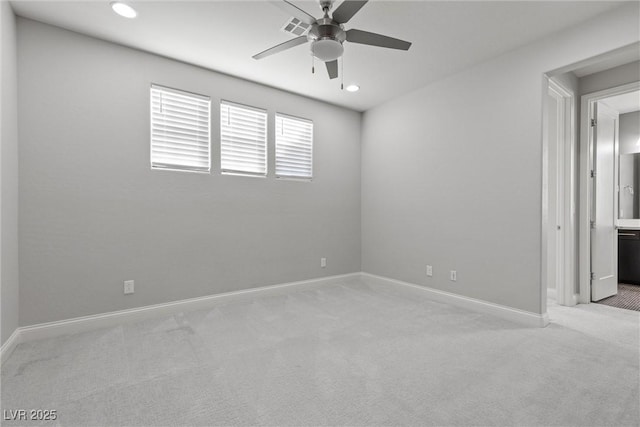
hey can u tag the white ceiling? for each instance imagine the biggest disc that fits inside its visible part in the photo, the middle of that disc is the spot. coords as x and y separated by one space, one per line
447 37
625 103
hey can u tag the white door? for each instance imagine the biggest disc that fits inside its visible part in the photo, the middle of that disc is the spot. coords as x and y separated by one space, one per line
604 239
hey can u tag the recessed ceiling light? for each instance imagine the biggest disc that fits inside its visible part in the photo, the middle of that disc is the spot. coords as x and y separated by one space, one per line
353 88
123 9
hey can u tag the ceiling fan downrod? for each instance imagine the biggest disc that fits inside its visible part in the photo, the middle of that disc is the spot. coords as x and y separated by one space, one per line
326 5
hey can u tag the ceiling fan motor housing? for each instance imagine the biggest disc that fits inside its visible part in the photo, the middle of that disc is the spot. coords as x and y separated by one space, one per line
326 37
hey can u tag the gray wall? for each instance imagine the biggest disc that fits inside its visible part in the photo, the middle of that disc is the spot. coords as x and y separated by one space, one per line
629 132
9 291
93 214
452 173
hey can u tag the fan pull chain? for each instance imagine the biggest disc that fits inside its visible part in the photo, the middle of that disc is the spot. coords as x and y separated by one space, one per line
313 64
342 73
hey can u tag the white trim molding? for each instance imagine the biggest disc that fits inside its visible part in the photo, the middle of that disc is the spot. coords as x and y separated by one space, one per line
559 205
10 345
523 317
114 318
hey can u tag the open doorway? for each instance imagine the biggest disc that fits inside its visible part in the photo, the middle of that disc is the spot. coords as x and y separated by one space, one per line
612 127
570 217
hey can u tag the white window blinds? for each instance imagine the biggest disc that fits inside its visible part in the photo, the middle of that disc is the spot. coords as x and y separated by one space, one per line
243 139
294 147
180 130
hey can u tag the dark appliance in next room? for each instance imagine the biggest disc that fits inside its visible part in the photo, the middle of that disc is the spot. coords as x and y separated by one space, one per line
629 256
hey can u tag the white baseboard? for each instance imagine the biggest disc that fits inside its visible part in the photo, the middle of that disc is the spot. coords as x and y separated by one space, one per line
520 316
9 345
105 320
571 301
114 318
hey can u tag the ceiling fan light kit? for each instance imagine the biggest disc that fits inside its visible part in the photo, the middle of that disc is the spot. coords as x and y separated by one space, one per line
327 34
327 50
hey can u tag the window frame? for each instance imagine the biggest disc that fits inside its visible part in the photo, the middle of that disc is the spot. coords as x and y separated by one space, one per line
299 119
169 166
231 171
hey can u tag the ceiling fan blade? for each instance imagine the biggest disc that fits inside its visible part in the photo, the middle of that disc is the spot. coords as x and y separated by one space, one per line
332 68
282 46
373 39
347 9
294 10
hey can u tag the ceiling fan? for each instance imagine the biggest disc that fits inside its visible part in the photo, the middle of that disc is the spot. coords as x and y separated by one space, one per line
327 34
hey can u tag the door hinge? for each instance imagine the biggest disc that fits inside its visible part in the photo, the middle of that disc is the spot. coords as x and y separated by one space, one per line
593 224
593 174
593 276
593 122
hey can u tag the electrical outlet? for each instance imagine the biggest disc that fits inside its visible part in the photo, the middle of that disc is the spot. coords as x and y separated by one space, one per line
429 270
128 287
323 262
454 276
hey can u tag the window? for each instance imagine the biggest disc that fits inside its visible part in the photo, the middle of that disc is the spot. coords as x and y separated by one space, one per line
294 147
180 134
243 139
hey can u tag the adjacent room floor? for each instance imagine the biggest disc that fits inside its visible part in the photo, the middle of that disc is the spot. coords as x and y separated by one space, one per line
628 297
351 354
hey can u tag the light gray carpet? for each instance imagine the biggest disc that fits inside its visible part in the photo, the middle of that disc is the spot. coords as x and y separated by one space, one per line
352 354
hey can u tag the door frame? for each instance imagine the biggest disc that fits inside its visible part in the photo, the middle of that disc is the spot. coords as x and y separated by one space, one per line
586 188
564 204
